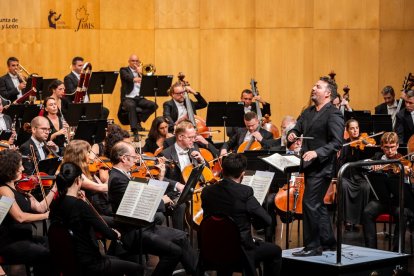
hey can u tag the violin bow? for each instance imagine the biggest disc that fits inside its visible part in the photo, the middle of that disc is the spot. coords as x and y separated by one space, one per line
373 135
38 176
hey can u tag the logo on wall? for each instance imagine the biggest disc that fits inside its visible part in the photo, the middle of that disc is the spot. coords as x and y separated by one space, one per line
82 15
55 21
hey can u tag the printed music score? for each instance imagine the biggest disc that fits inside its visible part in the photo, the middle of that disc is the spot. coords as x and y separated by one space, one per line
5 205
281 162
260 182
141 200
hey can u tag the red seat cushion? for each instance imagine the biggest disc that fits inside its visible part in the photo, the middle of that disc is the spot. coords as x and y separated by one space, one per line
384 218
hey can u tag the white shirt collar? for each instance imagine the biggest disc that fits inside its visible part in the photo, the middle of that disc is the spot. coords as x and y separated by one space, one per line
76 74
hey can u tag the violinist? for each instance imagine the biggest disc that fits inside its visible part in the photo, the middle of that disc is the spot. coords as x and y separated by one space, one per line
131 98
355 188
11 85
235 200
171 245
158 133
380 205
252 131
183 153
80 218
17 242
58 126
404 125
40 128
175 110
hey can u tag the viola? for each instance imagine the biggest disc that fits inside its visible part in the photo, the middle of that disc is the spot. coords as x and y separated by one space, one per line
28 183
100 163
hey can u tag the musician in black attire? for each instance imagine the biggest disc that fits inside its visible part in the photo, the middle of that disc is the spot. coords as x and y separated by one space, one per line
175 110
80 218
158 133
325 124
404 125
17 243
386 197
389 106
11 86
171 245
237 201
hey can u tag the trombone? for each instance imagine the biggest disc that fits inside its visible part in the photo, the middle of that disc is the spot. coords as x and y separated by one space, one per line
147 69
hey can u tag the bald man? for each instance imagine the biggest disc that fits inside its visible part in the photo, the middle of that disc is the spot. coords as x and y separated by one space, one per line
131 97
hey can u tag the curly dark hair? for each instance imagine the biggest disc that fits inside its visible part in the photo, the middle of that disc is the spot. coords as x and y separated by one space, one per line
114 134
332 86
10 162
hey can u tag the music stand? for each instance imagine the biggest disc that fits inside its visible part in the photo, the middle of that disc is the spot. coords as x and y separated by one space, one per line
5 135
92 131
49 165
29 84
155 86
82 111
364 119
44 92
225 114
102 82
23 112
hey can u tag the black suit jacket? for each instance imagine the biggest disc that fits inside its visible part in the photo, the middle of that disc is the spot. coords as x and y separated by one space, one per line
327 129
8 121
7 88
171 111
25 150
236 201
404 126
170 141
127 81
236 140
381 109
71 83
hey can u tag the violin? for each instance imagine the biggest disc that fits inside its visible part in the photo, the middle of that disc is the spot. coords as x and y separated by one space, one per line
148 167
28 183
394 168
198 122
363 141
100 163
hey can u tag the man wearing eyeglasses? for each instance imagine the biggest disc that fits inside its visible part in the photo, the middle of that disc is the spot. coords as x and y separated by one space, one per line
183 152
131 98
40 132
175 109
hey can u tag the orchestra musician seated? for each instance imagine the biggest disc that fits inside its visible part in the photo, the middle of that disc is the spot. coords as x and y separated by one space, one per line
58 126
389 106
131 96
40 129
386 198
69 208
175 109
11 84
184 153
18 244
355 188
6 123
404 125
57 91
237 201
158 133
252 132
171 245
288 122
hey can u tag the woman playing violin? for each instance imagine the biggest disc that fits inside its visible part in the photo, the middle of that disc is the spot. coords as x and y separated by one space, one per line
79 217
157 135
355 188
17 243
58 127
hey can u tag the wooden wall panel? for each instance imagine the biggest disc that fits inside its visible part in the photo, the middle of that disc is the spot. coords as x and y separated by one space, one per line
284 69
127 14
174 14
397 14
346 14
353 55
217 14
281 13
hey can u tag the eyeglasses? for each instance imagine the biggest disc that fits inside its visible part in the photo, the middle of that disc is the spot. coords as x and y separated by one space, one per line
133 156
190 137
179 93
44 129
134 60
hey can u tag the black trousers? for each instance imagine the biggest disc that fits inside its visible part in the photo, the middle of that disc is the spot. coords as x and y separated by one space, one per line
170 245
317 226
112 266
130 104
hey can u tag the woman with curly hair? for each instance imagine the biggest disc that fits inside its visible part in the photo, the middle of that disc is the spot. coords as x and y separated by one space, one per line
17 243
157 135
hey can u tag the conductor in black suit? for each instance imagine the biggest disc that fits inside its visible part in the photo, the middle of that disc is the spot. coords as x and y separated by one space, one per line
40 132
252 131
404 125
11 86
325 124
131 97
237 201
175 110
71 82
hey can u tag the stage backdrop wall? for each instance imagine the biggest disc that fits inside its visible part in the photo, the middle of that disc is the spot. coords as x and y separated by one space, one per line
220 44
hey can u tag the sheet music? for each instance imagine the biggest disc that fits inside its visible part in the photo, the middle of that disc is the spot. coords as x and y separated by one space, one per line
5 205
260 182
282 161
141 201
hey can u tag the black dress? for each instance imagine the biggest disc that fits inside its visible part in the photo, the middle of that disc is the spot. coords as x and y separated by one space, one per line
83 222
18 245
60 139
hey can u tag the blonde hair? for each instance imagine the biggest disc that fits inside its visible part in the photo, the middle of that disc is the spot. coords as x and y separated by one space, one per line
389 138
77 152
182 126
